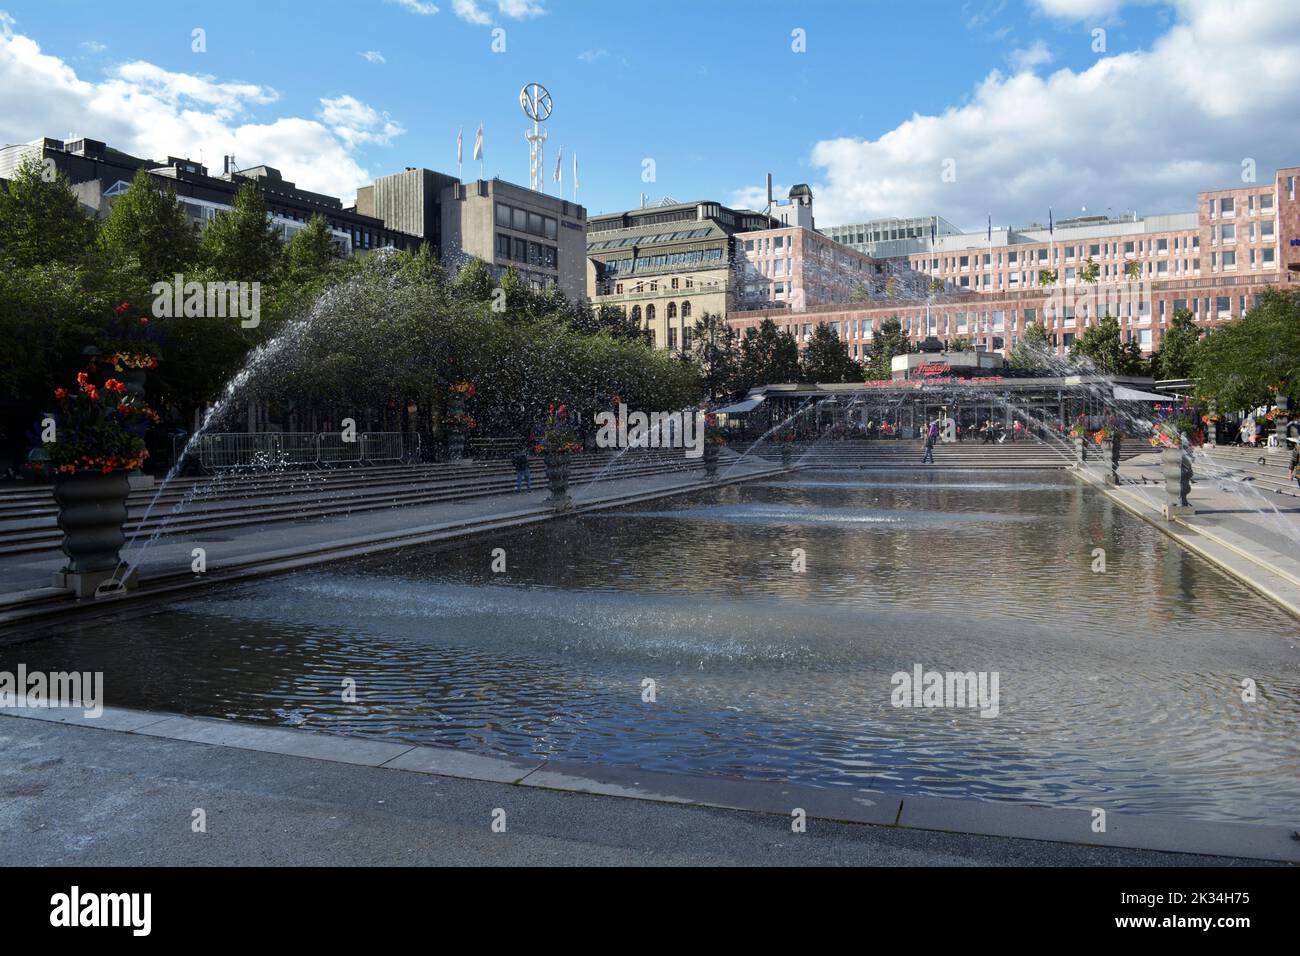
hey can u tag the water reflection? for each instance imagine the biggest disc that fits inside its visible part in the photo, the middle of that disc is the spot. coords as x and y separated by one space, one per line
1117 687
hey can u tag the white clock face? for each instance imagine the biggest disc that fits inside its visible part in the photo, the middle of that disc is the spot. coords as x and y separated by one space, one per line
536 102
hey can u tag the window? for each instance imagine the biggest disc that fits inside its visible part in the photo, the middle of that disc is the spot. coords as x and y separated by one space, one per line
672 338
1228 232
1266 201
519 220
503 245
672 310
674 283
649 313
519 250
503 215
636 313
686 310
1227 206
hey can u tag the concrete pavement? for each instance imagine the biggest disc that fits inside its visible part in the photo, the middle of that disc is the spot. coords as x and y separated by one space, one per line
72 795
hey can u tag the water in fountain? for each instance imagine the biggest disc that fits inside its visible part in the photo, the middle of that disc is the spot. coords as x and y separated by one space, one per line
254 364
807 406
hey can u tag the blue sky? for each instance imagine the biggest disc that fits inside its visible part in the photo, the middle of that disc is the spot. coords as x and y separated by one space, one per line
1012 91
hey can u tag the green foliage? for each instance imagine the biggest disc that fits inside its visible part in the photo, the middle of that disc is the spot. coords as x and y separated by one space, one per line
717 353
1101 346
1090 271
886 343
1178 346
826 358
241 245
42 222
1243 364
147 236
396 329
767 356
1033 350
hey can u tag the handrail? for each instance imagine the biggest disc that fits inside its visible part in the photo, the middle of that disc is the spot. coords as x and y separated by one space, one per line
228 450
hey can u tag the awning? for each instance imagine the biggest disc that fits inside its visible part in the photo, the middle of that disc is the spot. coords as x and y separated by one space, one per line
748 405
1123 394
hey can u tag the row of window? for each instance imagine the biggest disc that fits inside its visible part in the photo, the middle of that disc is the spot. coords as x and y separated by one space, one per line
529 253
521 220
671 311
648 240
653 285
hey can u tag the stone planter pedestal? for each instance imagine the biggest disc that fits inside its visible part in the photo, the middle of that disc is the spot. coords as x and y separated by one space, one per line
711 452
1110 449
557 479
1176 469
92 513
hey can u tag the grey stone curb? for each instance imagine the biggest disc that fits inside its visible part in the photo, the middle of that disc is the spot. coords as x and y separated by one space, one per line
291 559
1132 831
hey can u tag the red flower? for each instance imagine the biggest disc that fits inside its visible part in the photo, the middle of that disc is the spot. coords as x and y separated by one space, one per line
60 393
123 307
113 385
82 378
563 409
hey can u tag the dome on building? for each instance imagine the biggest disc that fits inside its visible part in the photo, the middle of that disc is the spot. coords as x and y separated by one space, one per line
801 192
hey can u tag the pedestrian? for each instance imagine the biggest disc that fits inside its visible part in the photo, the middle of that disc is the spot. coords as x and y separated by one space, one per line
1294 473
523 474
931 436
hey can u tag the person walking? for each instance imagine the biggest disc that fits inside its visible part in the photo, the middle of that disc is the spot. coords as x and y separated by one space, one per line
931 436
523 474
1294 472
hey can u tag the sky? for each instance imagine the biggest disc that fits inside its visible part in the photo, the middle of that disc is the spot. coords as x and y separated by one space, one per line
968 110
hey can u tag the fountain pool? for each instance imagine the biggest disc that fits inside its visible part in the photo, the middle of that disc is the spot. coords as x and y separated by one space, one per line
1118 689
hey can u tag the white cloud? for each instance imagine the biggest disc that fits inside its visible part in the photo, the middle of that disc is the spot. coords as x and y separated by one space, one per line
471 12
145 110
520 9
1143 129
374 56
416 6
1027 58
356 123
591 56
1079 9
93 46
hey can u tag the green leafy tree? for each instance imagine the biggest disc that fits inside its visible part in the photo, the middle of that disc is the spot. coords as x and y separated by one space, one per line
42 222
312 252
885 344
1101 346
717 352
1178 346
1033 350
767 356
240 244
1243 364
147 234
826 358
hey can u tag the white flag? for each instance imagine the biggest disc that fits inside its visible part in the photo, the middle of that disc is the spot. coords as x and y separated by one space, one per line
478 142
559 169
460 146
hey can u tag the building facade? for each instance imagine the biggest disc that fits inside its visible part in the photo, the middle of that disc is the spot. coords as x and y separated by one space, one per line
987 287
668 265
98 174
542 237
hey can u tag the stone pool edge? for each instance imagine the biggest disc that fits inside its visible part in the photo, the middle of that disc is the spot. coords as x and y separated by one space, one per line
968 816
30 608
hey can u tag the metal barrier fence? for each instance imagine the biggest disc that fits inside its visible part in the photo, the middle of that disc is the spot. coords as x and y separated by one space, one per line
224 450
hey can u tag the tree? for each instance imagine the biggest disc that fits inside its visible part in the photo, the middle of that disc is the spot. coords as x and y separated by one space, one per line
1101 346
147 234
241 245
1032 351
1178 346
826 358
1245 363
1090 271
767 356
717 354
312 252
885 344
42 222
